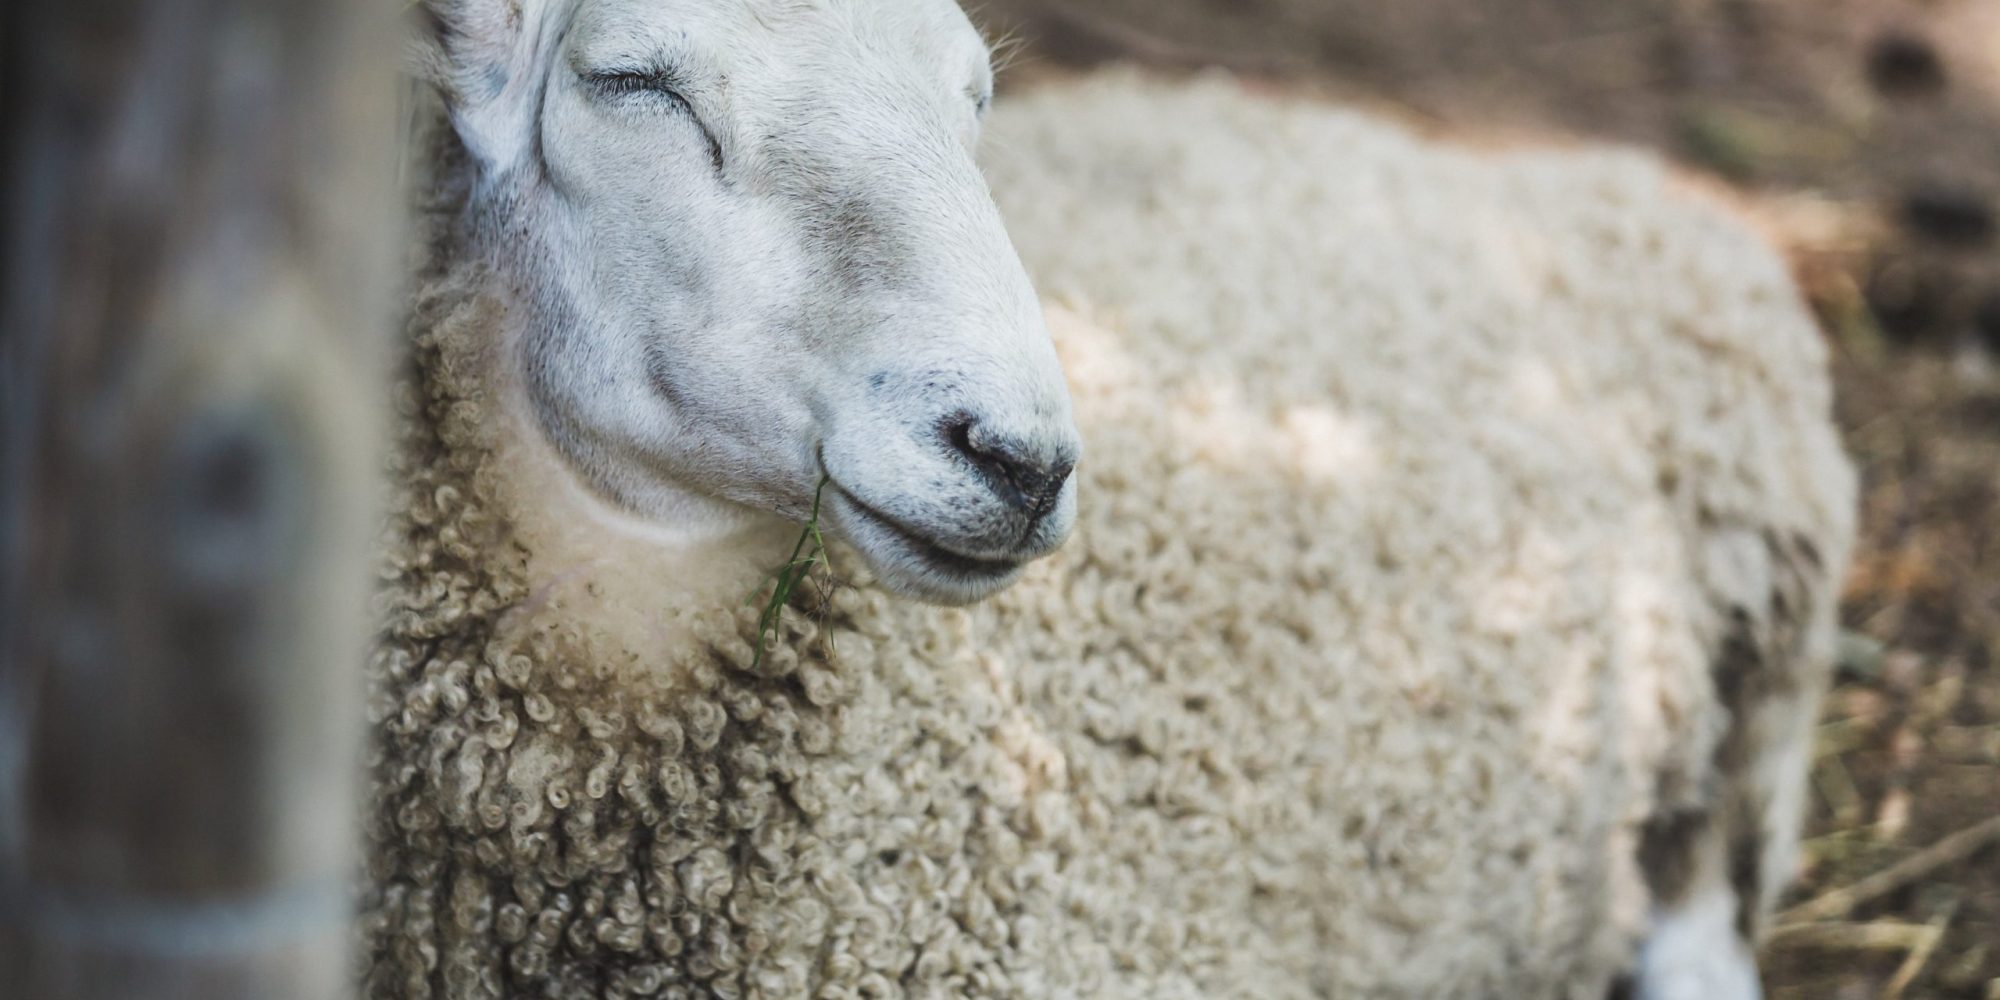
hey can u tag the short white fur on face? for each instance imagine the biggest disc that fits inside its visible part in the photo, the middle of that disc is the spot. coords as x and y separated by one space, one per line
746 247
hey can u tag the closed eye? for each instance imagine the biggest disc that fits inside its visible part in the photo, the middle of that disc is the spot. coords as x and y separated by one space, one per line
618 82
654 83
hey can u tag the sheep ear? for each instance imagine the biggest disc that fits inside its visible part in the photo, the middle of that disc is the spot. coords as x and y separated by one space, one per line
488 60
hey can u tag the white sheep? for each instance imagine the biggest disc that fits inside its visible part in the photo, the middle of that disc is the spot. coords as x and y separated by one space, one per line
1450 594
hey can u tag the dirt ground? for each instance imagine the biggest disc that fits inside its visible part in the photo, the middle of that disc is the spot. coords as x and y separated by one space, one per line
1865 134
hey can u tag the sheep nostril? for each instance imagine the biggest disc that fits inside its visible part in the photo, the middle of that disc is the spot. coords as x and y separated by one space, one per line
1027 481
959 432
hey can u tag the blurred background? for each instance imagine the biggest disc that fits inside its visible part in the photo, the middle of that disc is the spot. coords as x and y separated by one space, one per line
1864 136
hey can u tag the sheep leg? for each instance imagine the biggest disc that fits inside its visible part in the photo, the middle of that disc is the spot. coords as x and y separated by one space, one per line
1715 869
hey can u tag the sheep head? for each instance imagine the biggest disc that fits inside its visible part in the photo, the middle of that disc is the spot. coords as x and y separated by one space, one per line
746 249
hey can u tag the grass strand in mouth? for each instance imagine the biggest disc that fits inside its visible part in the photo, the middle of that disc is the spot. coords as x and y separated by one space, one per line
809 551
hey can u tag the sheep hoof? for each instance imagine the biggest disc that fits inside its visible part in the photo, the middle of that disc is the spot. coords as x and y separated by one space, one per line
1695 953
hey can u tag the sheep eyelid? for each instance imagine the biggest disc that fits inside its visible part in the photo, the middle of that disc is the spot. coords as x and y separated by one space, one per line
617 83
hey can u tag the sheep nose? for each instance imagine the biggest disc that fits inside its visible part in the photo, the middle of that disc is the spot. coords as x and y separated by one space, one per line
1029 477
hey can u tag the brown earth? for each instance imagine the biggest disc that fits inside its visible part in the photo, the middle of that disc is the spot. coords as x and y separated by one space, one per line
1865 135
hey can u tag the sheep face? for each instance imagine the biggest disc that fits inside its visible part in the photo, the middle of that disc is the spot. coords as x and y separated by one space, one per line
745 249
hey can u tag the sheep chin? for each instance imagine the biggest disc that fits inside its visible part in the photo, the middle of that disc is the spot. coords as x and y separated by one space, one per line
912 566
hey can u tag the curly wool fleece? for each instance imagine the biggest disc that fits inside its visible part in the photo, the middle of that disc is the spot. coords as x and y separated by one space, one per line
1438 510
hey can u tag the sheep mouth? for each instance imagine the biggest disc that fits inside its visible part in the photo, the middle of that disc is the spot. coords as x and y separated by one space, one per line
918 564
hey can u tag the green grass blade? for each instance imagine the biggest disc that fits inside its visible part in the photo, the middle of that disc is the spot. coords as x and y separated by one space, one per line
790 575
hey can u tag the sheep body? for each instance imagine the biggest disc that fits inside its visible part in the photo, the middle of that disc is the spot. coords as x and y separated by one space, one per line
1454 580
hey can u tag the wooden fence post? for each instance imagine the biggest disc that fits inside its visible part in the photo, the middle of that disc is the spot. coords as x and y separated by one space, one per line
202 229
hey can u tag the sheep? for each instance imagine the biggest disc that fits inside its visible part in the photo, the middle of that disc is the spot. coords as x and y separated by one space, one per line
1455 540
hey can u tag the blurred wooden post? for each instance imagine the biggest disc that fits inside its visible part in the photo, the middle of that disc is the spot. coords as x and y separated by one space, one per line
201 224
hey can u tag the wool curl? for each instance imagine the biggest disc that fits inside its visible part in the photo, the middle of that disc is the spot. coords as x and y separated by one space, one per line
1458 545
